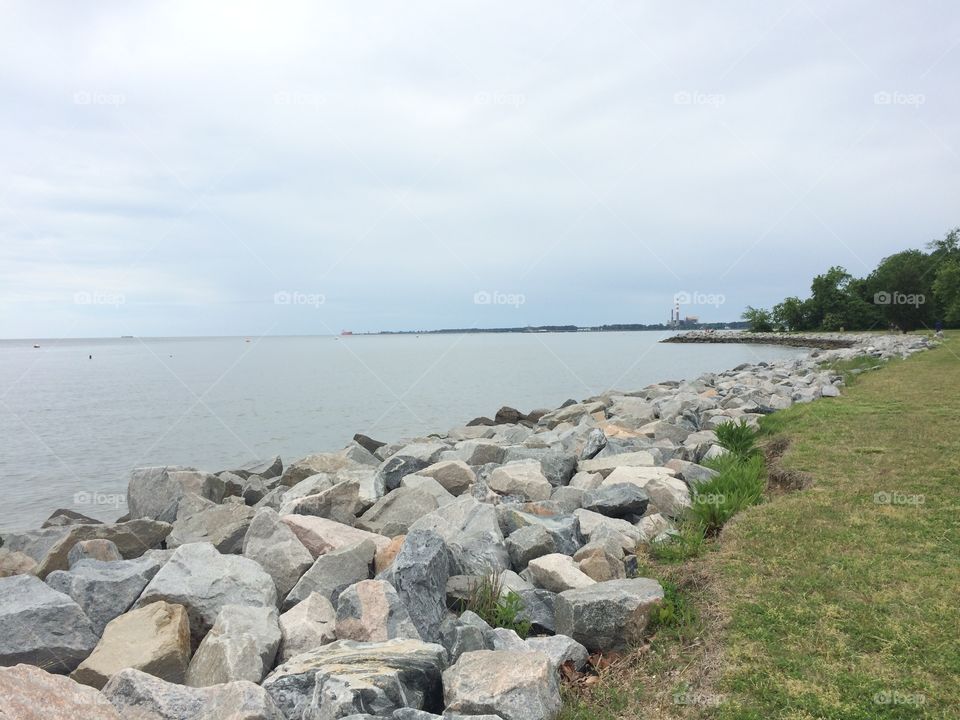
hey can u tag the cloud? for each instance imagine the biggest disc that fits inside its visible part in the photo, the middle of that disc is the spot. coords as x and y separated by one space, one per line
596 158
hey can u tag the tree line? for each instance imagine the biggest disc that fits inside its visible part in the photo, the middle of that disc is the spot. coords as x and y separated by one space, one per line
907 291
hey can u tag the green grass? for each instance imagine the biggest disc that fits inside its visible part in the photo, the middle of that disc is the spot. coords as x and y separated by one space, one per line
843 597
839 601
739 485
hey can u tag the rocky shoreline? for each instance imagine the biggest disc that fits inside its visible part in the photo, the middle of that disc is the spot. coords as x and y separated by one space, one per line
822 341
334 586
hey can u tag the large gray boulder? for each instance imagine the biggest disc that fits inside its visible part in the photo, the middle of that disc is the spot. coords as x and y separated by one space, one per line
139 696
513 685
154 639
419 573
200 520
348 677
332 573
341 503
155 492
50 547
459 637
608 615
320 535
271 543
395 512
455 476
41 626
30 693
241 645
333 463
472 533
528 543
523 479
618 500
407 461
564 529
560 649
306 626
204 581
105 590
556 573
97 549
371 611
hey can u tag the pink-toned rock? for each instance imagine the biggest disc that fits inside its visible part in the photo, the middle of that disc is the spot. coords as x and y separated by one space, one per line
14 562
320 535
371 611
306 626
30 693
386 555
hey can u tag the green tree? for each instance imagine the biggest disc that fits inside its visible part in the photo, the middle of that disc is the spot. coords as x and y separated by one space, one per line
902 288
791 314
946 291
948 248
828 295
759 320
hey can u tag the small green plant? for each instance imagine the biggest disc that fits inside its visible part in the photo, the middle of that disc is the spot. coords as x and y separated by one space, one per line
739 484
676 610
738 438
497 608
687 542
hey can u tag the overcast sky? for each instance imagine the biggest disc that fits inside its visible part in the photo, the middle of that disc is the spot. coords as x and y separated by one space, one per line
185 168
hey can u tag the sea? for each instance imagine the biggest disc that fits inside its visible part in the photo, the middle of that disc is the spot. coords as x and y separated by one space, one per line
77 415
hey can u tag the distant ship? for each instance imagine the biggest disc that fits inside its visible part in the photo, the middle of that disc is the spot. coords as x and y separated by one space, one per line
347 332
36 345
126 337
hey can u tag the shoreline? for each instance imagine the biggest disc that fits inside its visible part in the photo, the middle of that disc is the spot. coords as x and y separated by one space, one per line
820 341
362 559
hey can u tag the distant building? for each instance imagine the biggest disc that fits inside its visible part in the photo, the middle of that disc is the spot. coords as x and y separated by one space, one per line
691 320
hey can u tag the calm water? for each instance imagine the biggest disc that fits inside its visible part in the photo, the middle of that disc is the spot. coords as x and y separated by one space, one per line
71 428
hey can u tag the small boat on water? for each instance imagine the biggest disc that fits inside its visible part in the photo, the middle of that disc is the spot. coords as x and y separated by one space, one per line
36 345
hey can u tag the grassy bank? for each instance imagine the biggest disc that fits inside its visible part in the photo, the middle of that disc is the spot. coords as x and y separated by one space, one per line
836 601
